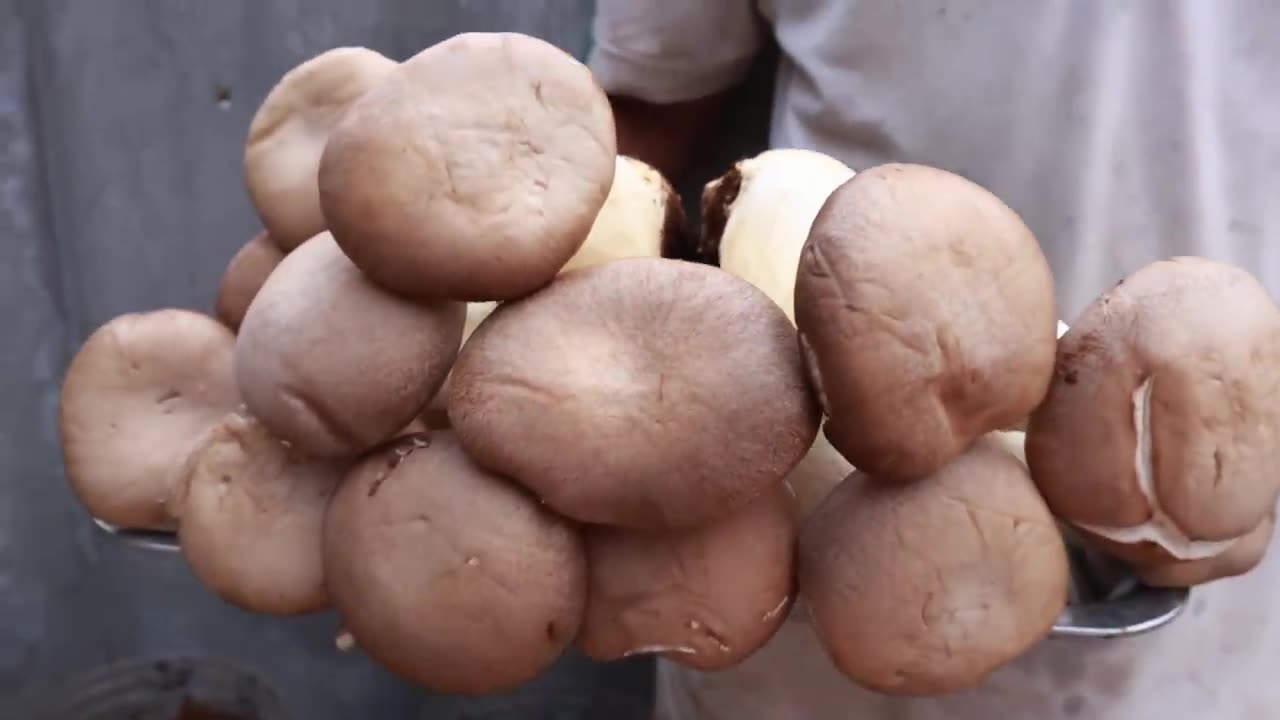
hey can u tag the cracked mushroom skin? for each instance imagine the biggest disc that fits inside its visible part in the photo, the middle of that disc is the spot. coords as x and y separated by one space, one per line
645 393
926 588
252 510
474 171
927 311
333 364
136 397
244 277
1158 437
706 597
288 134
451 577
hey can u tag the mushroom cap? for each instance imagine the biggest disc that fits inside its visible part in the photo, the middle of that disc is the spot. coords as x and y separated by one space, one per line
925 588
641 217
448 576
474 171
244 277
289 132
1244 555
252 510
706 597
644 393
333 364
928 310
757 216
1160 427
136 397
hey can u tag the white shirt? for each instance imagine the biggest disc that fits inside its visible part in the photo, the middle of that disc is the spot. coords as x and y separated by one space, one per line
1122 131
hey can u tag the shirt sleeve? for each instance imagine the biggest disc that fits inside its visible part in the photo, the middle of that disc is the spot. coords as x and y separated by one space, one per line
666 51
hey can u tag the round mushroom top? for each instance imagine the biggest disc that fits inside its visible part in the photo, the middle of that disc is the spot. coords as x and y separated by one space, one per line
450 576
244 277
706 597
252 510
474 171
136 398
643 393
334 364
928 310
289 132
1162 423
926 588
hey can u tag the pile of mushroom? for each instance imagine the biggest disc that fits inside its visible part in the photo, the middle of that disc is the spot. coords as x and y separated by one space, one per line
460 392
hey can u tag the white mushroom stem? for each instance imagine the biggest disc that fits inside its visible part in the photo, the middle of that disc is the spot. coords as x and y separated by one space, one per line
641 210
779 194
1160 529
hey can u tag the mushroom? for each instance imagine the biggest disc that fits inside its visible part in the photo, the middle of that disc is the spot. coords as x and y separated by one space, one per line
706 597
641 217
1158 435
244 276
757 216
251 516
474 171
1243 556
136 397
333 364
926 588
289 132
449 576
645 393
927 311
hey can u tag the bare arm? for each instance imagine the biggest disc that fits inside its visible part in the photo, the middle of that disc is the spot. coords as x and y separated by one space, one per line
665 135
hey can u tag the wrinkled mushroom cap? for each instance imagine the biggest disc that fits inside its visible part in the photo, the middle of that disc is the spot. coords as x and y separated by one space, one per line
1244 555
644 393
244 277
333 364
928 310
706 597
757 216
252 511
474 171
1160 429
926 588
448 576
289 132
137 396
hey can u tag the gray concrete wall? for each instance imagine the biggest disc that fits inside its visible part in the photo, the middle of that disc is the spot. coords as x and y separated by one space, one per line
120 191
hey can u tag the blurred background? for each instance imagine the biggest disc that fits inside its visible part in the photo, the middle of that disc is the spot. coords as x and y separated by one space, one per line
121 125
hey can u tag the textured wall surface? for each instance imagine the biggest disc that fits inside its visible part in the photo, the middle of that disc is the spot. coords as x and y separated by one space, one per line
120 191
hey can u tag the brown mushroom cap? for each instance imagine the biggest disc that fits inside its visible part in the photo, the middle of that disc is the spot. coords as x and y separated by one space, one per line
926 588
1244 555
333 364
252 511
137 396
707 597
474 171
449 576
1160 426
289 132
928 308
244 277
643 393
